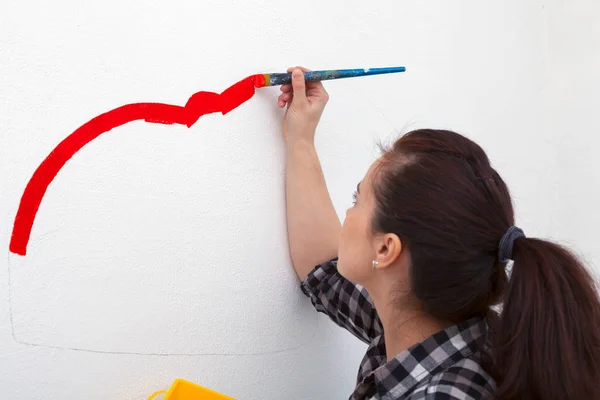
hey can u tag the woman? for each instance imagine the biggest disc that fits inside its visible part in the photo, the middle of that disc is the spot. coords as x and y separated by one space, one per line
420 261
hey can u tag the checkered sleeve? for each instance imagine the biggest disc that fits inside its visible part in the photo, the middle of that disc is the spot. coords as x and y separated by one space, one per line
346 304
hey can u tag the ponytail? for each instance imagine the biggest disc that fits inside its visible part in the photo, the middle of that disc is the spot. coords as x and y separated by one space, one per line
547 341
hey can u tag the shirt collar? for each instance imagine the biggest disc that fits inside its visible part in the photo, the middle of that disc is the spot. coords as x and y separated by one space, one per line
427 358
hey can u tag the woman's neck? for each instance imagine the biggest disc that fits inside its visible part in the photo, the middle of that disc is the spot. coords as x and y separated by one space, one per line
404 327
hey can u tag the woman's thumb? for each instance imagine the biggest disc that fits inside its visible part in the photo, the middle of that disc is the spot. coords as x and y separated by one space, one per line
299 85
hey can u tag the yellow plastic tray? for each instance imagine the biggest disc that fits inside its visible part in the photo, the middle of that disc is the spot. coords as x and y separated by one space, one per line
184 390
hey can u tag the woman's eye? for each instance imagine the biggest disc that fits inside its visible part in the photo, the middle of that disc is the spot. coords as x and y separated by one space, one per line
354 195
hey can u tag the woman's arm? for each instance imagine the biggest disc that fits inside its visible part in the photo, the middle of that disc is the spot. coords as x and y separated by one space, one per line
313 225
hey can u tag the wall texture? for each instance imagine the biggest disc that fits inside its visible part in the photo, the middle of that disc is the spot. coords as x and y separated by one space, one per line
160 251
572 84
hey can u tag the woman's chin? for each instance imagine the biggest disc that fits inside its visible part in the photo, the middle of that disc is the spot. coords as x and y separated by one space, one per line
347 271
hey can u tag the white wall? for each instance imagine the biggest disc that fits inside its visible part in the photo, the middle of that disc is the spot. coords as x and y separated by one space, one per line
572 86
160 252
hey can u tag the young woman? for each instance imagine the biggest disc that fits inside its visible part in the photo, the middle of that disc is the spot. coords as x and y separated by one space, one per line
421 260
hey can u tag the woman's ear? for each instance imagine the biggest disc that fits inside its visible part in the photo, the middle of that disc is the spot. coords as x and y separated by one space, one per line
388 248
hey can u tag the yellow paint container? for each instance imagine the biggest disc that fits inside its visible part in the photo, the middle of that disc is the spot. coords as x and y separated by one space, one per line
184 390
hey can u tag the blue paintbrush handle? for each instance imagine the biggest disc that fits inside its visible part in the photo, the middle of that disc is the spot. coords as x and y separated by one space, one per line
286 78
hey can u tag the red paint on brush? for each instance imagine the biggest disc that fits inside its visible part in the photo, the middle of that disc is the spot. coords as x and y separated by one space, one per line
259 80
199 104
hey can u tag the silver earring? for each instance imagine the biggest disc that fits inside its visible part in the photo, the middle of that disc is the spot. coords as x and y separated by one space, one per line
375 264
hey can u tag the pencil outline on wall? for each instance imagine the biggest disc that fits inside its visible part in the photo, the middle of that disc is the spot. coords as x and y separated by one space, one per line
199 104
139 353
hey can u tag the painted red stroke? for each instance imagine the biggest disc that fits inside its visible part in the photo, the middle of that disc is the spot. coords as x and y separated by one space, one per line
199 104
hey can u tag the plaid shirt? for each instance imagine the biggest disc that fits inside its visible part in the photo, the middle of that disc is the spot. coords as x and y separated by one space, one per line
446 365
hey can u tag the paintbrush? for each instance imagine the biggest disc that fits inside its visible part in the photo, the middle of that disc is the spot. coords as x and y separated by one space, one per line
286 78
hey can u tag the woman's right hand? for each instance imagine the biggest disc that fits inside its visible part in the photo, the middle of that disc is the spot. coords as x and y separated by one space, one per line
305 104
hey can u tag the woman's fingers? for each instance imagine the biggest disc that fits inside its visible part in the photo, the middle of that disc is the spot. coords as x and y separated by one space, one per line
313 89
283 99
309 84
285 96
280 102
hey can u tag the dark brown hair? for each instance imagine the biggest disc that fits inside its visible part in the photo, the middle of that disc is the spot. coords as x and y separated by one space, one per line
436 190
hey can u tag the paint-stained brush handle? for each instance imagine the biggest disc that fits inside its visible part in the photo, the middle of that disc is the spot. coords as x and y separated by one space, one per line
286 78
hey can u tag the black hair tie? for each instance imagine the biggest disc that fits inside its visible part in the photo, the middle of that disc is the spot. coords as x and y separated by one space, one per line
505 250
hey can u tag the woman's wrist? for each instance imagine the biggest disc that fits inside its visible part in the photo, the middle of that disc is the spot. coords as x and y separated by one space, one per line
302 142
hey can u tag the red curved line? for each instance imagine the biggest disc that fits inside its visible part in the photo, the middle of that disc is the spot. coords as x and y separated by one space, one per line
199 104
